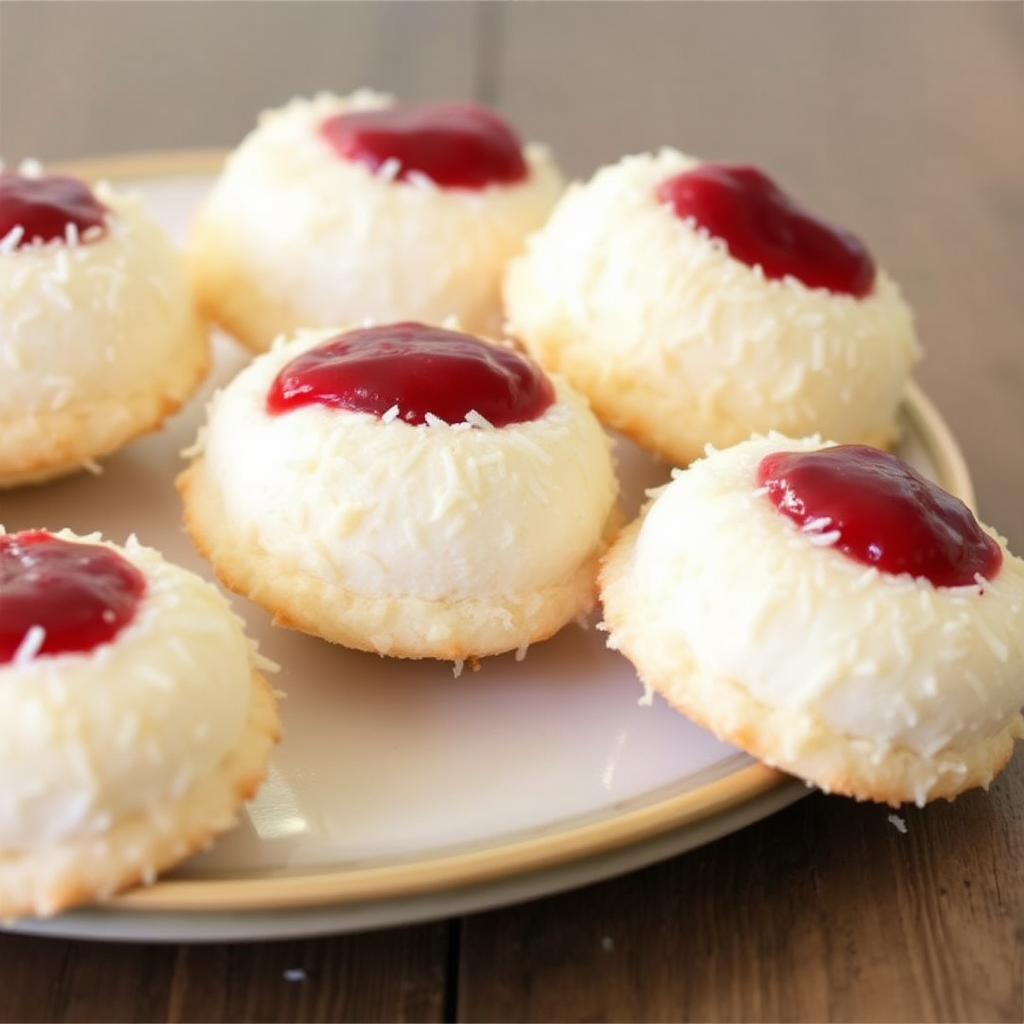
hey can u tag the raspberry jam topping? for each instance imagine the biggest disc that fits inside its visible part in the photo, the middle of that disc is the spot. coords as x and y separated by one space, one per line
881 512
762 226
43 207
78 595
418 371
456 145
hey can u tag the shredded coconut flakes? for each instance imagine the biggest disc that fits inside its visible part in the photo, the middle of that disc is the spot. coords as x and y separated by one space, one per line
475 419
12 239
421 181
390 169
31 644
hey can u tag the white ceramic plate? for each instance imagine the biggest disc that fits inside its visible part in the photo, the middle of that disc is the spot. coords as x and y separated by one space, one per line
401 793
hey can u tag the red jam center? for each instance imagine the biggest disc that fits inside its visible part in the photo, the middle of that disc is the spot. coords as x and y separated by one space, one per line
883 513
764 227
81 595
456 145
418 370
43 207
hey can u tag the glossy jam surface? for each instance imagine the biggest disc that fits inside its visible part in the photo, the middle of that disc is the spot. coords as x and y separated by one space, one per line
43 207
762 226
82 595
417 370
881 512
456 145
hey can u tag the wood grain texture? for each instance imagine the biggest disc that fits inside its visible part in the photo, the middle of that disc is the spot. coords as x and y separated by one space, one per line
824 912
394 975
902 121
123 77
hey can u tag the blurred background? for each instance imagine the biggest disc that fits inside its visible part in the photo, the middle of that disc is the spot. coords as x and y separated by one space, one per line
882 131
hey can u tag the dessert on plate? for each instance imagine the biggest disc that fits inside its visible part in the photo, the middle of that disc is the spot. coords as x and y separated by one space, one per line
338 209
404 489
99 339
697 303
830 611
134 720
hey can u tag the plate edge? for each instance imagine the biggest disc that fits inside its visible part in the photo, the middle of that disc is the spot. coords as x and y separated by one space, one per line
361 885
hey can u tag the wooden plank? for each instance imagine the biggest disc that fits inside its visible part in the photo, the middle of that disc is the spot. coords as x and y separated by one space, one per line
96 78
84 79
899 121
392 975
903 123
825 912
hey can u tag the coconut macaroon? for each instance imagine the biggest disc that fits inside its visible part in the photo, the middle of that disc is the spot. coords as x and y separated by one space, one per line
696 303
133 718
404 489
783 594
337 209
99 338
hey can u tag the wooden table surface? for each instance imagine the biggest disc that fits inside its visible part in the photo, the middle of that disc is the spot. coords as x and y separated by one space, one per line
904 122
